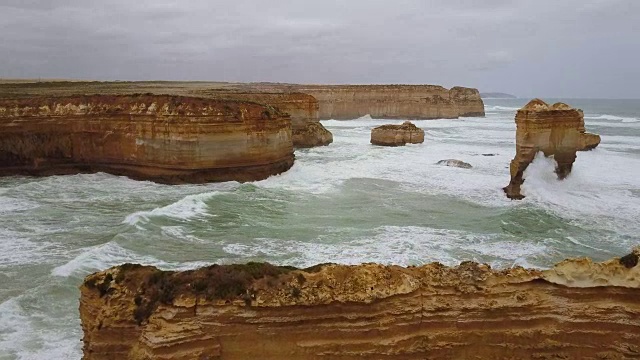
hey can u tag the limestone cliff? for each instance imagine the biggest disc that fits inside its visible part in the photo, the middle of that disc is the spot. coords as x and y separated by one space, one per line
345 102
576 310
169 139
397 135
556 130
303 109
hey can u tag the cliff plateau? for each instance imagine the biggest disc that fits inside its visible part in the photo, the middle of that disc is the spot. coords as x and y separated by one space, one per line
579 309
344 102
168 139
556 130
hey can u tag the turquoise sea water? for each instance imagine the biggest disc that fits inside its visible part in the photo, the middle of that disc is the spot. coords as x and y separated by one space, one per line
350 202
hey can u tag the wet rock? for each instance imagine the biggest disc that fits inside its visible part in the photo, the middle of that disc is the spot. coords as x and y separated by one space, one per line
455 163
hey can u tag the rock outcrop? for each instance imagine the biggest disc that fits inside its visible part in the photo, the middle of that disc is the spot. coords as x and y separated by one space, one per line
397 135
579 309
311 135
556 130
303 109
455 163
345 102
168 139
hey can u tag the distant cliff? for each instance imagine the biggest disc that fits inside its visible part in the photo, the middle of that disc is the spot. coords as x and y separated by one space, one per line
388 101
169 139
579 309
497 95
303 109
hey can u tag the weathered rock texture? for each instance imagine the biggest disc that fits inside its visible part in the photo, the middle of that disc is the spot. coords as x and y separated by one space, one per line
343 102
455 163
311 135
577 310
169 139
303 109
556 130
397 135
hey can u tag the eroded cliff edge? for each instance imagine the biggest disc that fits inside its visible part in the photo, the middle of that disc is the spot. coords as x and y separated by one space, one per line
412 102
576 310
307 131
168 139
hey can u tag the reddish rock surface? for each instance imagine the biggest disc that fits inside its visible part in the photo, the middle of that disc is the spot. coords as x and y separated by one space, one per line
168 139
579 309
397 135
556 130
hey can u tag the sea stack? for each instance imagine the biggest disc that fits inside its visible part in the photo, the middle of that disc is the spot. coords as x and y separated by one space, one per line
167 139
579 309
397 135
556 130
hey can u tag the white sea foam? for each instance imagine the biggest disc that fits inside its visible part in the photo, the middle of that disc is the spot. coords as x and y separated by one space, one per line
187 208
410 245
23 337
107 255
500 108
613 117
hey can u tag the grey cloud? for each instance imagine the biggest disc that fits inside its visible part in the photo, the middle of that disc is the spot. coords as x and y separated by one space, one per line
572 48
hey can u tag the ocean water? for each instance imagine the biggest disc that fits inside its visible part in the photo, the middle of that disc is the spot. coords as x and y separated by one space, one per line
350 202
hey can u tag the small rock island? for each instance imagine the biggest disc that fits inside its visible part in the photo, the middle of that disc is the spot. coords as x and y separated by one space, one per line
397 135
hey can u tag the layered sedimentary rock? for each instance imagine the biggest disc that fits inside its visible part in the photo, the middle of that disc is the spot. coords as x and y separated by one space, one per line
345 102
397 135
303 109
556 130
169 139
579 309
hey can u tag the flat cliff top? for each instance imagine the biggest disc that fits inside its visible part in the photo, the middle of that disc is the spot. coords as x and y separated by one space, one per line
21 89
137 104
261 284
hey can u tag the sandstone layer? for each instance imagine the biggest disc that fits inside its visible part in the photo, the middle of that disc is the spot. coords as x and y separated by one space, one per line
579 309
303 109
556 130
168 139
397 135
344 102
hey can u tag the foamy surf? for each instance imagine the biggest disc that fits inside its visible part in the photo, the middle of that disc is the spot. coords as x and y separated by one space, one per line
187 208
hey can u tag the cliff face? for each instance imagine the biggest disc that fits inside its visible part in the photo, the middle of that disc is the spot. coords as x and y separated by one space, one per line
576 310
168 139
345 102
556 130
397 135
303 109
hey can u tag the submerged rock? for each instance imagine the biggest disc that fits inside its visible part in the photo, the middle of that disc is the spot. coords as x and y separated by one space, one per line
397 135
455 163
556 130
222 312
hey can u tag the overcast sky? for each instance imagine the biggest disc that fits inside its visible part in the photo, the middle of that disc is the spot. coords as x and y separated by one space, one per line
546 48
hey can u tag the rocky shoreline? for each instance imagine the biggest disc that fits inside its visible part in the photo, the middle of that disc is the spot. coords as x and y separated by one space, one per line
577 309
